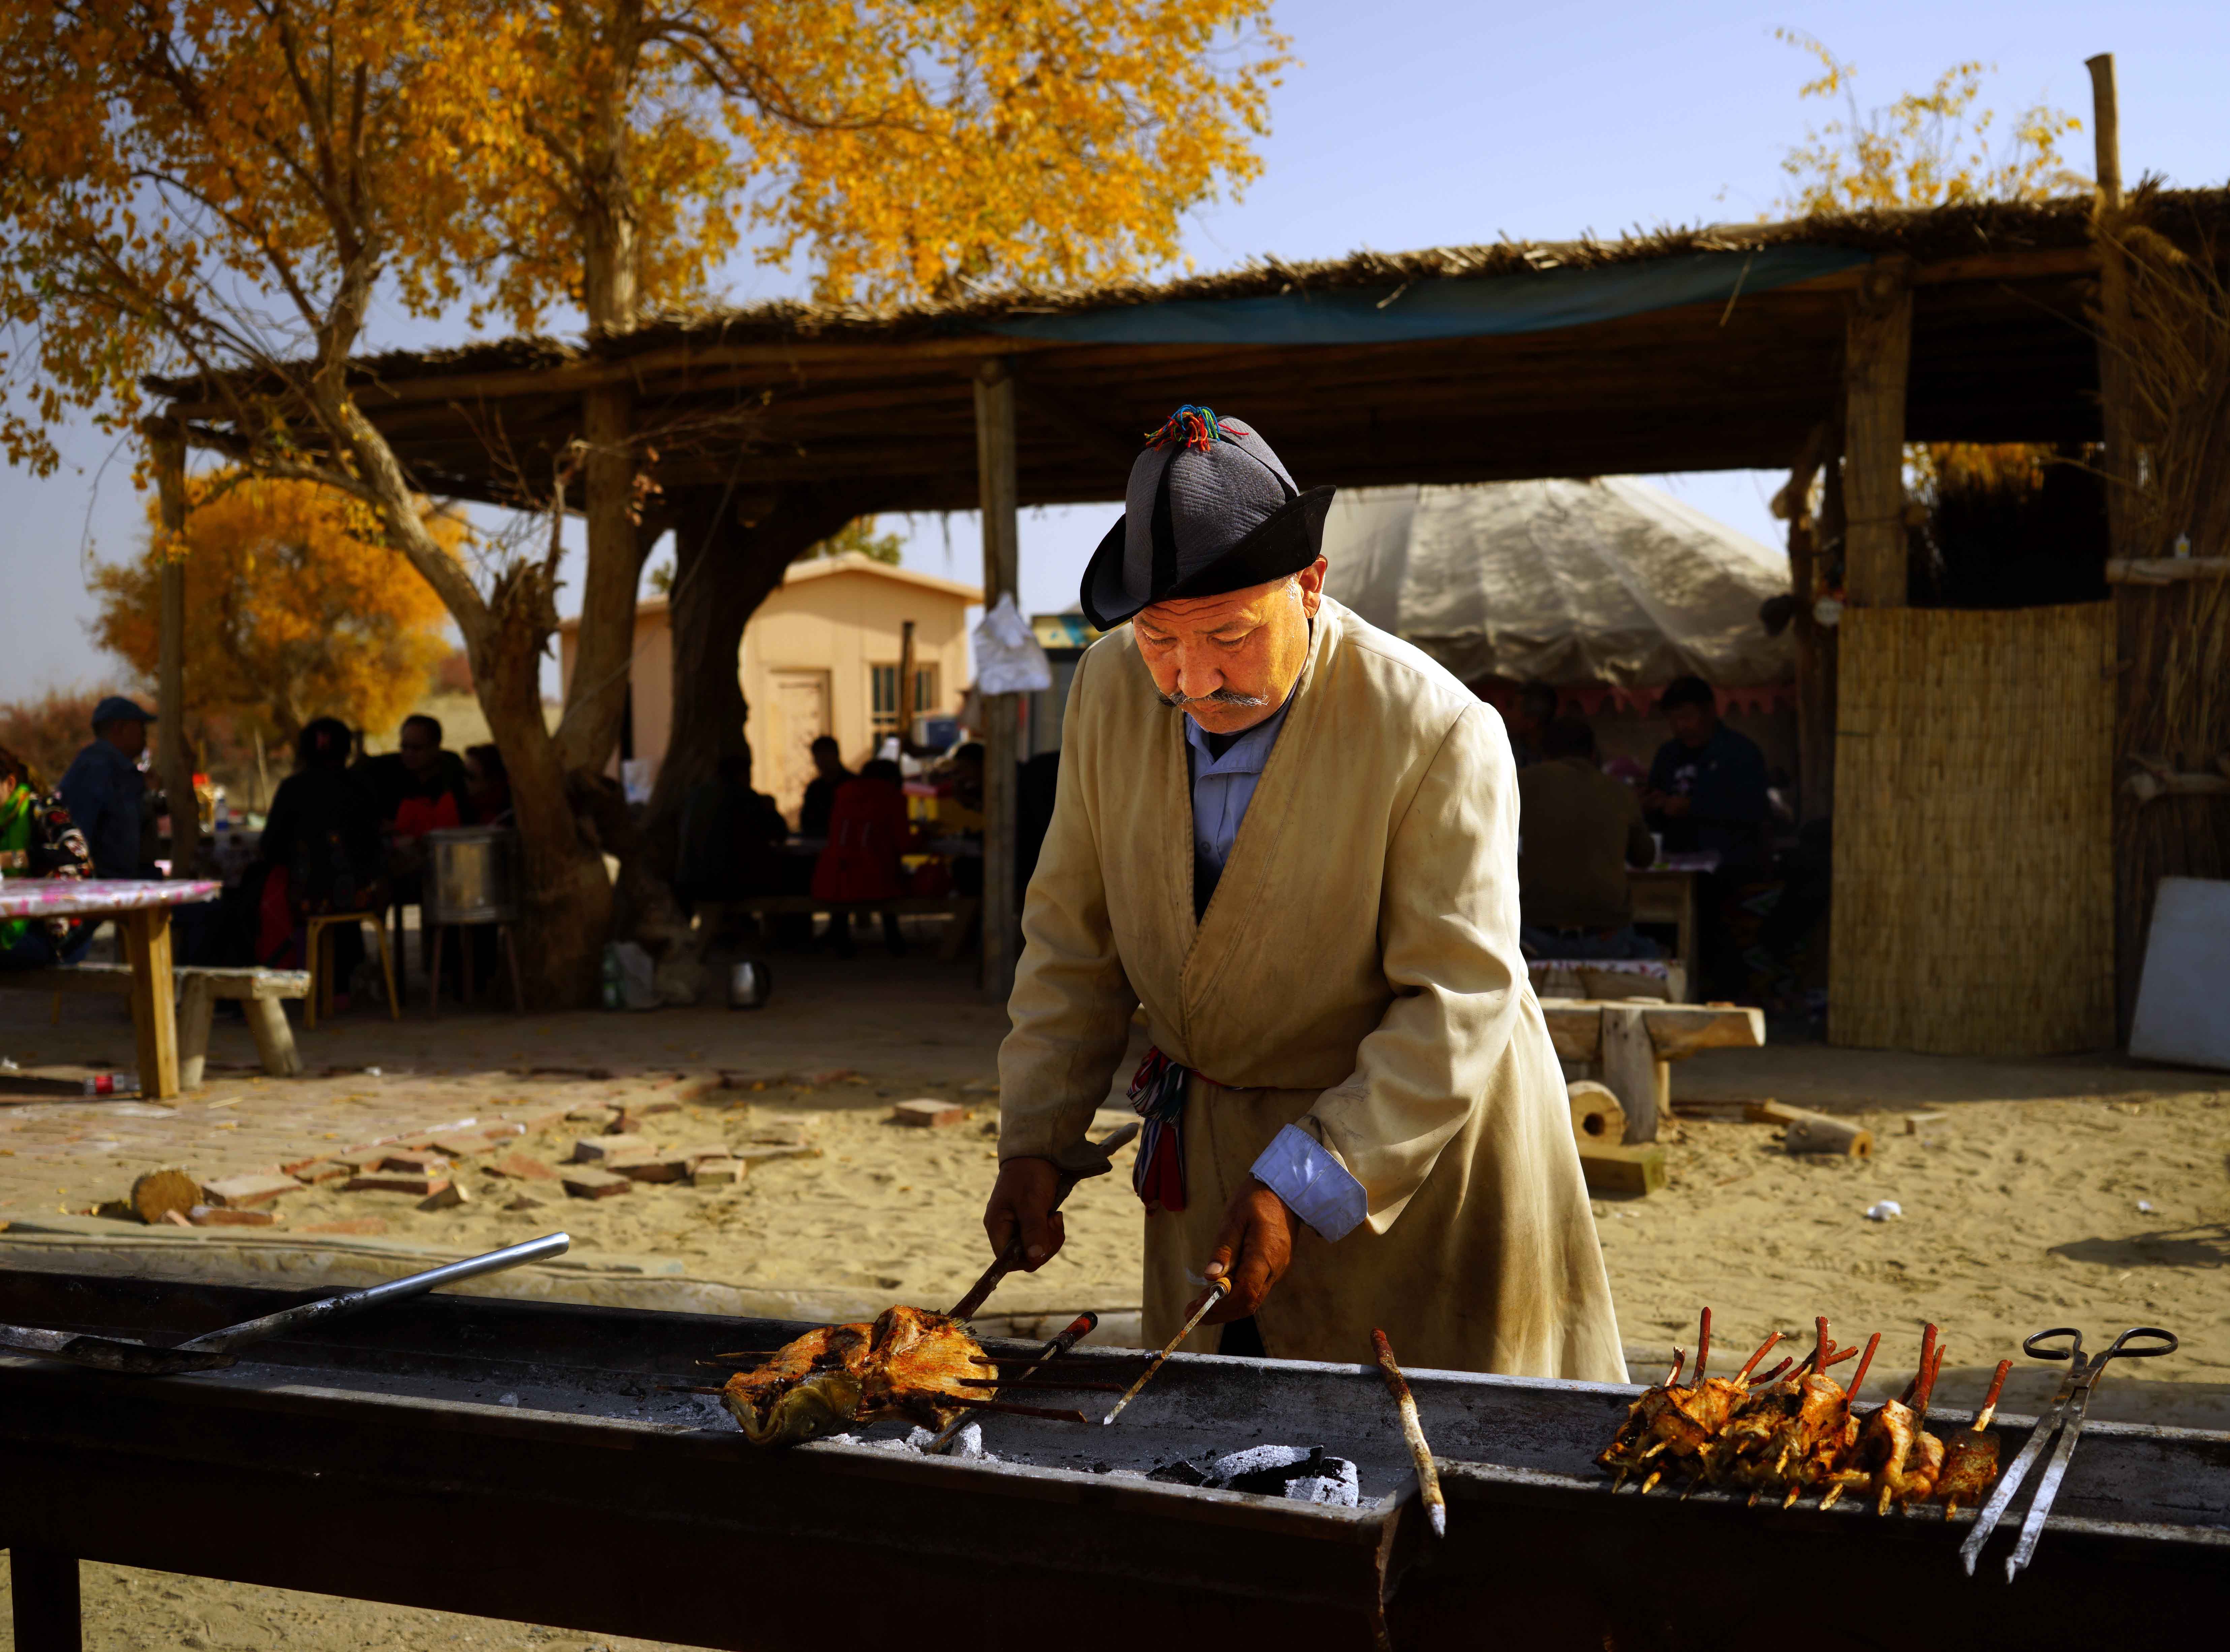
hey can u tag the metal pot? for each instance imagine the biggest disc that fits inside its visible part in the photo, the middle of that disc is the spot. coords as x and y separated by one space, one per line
751 983
471 875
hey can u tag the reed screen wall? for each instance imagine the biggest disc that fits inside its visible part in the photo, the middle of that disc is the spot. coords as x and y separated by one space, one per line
1974 873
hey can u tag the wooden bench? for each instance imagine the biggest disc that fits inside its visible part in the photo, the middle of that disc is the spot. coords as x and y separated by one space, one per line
960 909
261 991
1630 1044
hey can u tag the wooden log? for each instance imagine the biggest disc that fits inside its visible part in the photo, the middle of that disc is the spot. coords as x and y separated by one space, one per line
1877 355
1772 1112
1817 1132
998 496
1617 1168
160 1192
1597 1116
1574 1028
1681 1030
1636 1074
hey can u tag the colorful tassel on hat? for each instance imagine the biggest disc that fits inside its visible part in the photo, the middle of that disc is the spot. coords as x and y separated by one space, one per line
1196 428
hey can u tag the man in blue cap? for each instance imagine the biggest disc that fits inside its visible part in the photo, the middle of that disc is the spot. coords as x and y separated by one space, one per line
104 789
1292 840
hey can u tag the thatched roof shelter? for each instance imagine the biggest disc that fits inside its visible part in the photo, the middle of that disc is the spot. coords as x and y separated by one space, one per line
1695 349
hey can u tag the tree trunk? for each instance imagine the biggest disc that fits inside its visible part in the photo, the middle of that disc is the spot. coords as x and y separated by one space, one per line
595 698
724 565
565 894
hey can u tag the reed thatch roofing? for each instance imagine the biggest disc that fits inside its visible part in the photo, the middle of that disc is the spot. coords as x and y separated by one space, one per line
1712 347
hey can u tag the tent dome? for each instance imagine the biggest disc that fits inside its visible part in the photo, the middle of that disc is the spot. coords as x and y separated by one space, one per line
1606 580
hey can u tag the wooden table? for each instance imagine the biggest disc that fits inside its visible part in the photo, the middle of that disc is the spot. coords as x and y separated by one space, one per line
1666 893
142 911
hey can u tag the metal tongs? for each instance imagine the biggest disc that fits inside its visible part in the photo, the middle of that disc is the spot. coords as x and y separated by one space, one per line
213 1350
2063 1418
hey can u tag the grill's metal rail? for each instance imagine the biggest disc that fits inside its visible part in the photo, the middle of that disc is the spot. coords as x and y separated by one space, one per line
526 1461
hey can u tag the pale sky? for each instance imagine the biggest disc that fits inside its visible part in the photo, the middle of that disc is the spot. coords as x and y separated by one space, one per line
1415 123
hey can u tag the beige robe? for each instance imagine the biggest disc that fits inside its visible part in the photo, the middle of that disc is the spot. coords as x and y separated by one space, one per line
1356 973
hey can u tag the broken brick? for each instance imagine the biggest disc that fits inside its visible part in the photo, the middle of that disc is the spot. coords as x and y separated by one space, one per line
585 1181
928 1113
417 1182
521 1167
424 1160
609 1149
448 1196
237 1193
718 1173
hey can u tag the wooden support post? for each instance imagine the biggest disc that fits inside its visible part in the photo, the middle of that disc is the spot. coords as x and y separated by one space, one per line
1877 353
1633 1071
1814 643
174 762
154 1013
48 1614
997 490
2114 400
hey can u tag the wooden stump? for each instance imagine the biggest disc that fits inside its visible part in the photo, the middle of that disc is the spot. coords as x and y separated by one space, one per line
1597 1118
160 1192
1817 1132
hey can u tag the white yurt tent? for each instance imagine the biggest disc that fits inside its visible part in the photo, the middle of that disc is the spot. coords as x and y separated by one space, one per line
1604 582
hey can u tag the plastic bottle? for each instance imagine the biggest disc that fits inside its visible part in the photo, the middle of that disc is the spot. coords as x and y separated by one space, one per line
110 1084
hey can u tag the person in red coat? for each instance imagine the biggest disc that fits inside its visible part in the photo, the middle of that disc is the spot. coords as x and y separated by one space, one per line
867 831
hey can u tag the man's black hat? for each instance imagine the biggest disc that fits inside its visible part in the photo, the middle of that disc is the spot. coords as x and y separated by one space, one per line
1210 510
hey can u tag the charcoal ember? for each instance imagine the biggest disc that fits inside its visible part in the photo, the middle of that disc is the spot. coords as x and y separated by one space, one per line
1305 1474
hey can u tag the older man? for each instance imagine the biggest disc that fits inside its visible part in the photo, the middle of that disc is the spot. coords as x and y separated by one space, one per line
103 788
1293 839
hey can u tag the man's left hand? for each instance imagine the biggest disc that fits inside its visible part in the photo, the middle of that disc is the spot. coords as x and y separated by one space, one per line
1252 1250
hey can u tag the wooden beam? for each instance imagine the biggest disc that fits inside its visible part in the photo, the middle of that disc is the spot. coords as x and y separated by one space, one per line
2164 570
1877 349
999 500
1677 1030
1814 644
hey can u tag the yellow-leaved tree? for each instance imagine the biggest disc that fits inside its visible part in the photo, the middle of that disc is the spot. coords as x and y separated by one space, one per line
298 606
222 193
2001 517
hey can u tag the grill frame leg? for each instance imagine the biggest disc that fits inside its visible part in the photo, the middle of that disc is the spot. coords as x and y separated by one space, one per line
47 1603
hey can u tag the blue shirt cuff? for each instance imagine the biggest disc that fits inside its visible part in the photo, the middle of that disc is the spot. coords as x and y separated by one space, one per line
1315 1186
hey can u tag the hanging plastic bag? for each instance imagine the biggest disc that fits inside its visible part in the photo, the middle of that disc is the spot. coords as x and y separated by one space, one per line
1007 658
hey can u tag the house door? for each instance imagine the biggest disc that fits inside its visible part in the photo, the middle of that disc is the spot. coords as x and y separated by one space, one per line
799 717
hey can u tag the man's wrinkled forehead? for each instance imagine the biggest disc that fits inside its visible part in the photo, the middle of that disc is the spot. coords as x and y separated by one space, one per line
1250 607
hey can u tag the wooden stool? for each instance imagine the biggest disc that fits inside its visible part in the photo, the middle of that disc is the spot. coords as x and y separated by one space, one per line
321 971
259 993
463 932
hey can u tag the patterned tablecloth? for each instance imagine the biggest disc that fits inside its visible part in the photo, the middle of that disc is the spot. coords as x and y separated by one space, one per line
64 898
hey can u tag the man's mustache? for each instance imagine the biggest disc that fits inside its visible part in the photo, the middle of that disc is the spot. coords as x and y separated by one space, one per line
1221 697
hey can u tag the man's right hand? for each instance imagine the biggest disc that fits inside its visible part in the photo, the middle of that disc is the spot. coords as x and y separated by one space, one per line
1022 1202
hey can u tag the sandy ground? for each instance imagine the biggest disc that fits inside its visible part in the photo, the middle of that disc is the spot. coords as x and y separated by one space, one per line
2091 1191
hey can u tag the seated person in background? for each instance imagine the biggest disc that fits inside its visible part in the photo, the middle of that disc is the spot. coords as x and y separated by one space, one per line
731 837
1531 714
867 833
1707 787
416 788
104 789
320 852
487 787
1578 830
37 841
828 774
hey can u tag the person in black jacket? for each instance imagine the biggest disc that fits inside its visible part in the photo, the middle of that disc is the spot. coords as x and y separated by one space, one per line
320 851
821 791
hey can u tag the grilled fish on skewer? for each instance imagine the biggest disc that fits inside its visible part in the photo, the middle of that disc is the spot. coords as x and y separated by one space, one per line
910 1363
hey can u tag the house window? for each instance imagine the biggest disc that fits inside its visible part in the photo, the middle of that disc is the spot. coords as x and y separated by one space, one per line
883 695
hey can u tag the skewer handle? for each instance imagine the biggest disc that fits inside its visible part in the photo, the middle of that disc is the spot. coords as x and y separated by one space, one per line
1216 1290
1413 1430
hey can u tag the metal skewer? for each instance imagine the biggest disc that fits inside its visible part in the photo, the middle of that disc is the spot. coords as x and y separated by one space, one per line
1413 1430
1216 1288
1076 1330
